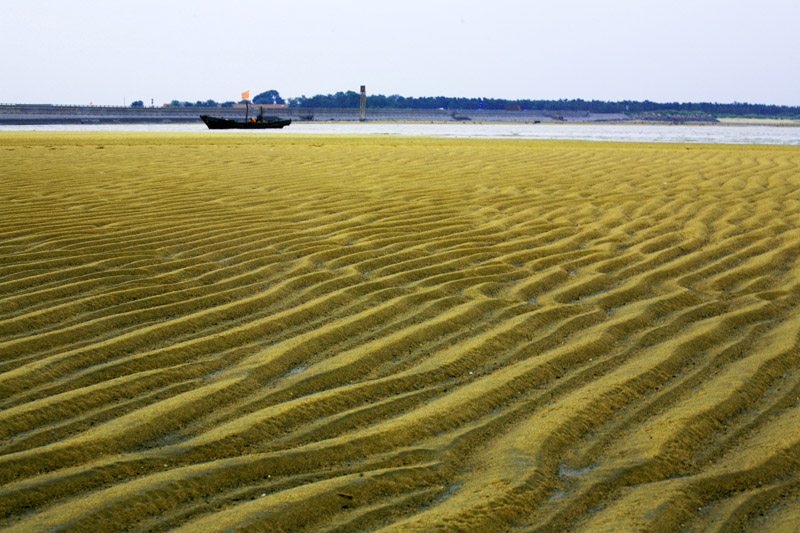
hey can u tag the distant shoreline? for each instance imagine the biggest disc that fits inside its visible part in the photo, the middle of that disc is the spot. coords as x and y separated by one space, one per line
32 115
49 114
758 122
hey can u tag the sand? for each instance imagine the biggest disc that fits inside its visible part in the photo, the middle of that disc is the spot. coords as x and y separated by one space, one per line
745 121
240 331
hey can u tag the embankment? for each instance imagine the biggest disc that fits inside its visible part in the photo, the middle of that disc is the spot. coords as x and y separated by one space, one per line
49 114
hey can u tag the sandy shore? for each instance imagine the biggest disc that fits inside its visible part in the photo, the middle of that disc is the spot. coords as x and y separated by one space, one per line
310 333
760 122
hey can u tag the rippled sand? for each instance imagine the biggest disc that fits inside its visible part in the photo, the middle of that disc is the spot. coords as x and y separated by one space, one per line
222 331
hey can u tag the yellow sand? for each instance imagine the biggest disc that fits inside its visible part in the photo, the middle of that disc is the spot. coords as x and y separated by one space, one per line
283 332
740 121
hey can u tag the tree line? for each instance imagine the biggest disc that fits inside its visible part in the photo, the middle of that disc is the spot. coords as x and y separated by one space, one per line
267 97
352 100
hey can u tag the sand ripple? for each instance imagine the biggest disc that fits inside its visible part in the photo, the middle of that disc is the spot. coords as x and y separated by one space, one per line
214 332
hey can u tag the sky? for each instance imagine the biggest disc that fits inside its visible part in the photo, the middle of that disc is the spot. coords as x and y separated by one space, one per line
114 52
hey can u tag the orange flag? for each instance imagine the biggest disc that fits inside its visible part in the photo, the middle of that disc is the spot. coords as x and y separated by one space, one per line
245 95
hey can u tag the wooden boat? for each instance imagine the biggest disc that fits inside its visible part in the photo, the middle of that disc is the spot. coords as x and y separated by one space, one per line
257 123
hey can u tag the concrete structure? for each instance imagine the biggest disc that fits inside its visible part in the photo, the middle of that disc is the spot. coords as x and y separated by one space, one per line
362 112
50 114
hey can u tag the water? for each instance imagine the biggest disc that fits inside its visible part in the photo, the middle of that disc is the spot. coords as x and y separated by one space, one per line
589 132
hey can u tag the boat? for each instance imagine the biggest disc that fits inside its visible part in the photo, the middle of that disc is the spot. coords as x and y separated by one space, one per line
254 123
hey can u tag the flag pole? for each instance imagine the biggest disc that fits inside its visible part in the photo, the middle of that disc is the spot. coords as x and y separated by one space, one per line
246 98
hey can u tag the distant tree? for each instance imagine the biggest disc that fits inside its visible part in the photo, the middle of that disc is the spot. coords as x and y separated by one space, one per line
137 103
269 97
351 99
298 102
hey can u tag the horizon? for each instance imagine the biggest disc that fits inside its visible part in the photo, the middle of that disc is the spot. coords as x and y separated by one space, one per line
625 50
287 98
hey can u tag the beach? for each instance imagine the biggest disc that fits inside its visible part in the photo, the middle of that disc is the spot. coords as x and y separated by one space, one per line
208 332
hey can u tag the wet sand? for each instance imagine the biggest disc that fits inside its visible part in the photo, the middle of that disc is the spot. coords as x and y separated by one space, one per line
332 333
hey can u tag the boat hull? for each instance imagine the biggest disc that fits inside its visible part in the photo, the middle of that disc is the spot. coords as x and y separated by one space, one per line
217 123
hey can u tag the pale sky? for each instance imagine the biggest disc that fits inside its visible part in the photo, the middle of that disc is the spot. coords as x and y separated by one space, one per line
112 52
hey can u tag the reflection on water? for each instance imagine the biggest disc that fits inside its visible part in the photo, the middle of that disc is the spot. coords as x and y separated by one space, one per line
590 132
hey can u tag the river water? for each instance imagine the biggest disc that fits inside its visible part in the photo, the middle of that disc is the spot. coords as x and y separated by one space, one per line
590 132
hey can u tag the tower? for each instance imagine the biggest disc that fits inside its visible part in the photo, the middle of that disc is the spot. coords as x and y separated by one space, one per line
362 114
